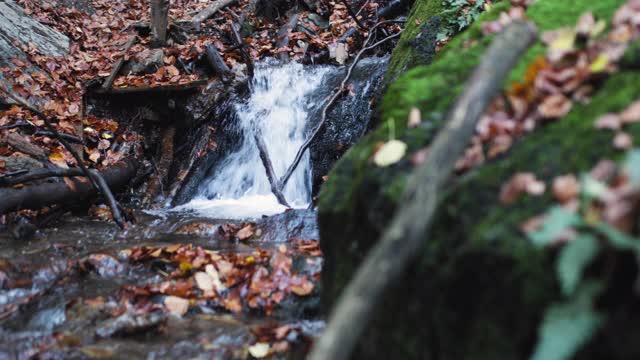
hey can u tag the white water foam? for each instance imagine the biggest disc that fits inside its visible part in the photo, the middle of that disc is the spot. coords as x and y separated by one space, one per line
278 109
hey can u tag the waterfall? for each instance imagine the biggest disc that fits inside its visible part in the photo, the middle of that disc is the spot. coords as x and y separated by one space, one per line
278 110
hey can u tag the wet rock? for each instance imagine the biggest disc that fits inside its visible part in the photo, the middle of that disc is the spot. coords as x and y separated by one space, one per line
292 224
348 119
318 20
18 29
146 62
130 324
104 265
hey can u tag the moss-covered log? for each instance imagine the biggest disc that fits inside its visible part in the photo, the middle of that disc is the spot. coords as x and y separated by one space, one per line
480 288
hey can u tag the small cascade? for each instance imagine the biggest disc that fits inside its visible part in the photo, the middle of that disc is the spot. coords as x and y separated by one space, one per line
278 110
282 109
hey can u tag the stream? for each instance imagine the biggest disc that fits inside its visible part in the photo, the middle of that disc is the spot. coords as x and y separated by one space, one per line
82 288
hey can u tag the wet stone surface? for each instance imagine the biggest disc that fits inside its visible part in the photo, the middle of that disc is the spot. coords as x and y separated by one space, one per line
168 287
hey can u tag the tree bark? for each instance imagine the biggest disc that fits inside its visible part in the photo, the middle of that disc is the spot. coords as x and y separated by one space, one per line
159 22
402 242
37 196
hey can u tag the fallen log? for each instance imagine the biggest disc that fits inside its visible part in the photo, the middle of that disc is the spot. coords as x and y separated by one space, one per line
404 237
95 177
118 65
40 195
209 11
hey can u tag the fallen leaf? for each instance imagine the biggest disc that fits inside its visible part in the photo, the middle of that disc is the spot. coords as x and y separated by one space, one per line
566 188
623 141
555 106
520 184
414 118
390 153
176 305
631 114
204 281
259 350
245 233
609 121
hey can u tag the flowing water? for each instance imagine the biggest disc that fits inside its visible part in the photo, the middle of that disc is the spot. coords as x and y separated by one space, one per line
53 306
277 111
284 106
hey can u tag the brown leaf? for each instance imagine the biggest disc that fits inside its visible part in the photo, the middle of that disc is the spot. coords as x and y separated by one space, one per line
631 114
623 141
518 185
565 188
555 106
609 121
245 233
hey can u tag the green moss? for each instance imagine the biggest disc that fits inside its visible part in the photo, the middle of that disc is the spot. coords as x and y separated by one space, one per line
479 287
405 53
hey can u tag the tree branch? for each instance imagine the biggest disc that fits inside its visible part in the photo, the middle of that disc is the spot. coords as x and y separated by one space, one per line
402 241
268 167
95 177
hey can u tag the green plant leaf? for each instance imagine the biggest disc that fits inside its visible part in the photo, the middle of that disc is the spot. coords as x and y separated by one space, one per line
573 259
558 220
568 326
593 188
617 238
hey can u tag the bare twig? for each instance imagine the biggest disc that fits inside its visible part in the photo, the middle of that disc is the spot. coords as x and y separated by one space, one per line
353 15
40 174
243 51
401 243
268 167
118 65
362 7
332 98
95 177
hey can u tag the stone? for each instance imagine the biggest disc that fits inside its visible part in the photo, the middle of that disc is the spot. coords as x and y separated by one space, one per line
146 62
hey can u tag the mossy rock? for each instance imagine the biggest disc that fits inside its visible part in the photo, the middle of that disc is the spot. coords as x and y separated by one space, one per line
480 288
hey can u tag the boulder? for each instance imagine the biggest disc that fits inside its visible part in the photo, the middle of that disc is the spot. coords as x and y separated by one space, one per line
479 288
146 62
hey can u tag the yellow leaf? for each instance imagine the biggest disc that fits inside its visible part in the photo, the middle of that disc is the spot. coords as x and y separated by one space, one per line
565 40
390 153
598 28
58 159
185 267
599 64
